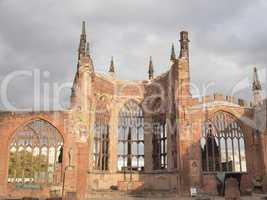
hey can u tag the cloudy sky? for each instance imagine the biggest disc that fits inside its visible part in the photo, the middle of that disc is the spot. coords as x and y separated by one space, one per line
228 38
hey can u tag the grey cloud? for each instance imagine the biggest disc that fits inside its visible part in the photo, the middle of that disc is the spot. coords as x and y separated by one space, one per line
227 38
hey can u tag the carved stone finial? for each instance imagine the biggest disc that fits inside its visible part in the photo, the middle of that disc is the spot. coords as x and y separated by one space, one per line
173 55
112 67
151 69
82 46
83 28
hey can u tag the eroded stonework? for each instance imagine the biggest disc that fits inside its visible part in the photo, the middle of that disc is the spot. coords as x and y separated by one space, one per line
137 135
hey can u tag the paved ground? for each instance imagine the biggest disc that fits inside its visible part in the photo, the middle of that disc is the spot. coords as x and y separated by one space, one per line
173 198
253 197
180 198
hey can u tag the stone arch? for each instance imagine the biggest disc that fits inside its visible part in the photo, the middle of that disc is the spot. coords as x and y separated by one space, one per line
126 101
34 151
24 123
102 104
158 105
130 88
237 114
223 143
101 133
233 115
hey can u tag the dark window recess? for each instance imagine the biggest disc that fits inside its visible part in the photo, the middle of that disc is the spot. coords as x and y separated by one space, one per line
159 142
101 136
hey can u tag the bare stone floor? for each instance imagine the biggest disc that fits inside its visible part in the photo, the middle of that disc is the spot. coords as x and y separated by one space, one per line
172 198
253 197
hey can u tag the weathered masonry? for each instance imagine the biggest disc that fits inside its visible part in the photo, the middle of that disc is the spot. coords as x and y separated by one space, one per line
134 135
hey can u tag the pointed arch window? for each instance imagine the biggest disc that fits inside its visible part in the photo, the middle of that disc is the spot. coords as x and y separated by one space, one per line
223 145
101 135
131 138
34 154
159 142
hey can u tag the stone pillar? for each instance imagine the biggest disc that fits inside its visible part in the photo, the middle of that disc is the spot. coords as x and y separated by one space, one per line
91 139
184 169
113 142
82 170
264 157
194 153
70 175
170 138
263 139
182 101
4 153
148 144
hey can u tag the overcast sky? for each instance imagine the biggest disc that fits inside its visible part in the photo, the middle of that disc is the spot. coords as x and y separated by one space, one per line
228 38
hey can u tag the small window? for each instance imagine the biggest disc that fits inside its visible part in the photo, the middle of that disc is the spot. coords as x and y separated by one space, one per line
159 142
101 136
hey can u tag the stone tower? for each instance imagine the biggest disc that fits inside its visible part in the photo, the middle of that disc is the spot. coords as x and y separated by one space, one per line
80 114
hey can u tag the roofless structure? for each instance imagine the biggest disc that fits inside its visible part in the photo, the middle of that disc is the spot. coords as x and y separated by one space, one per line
133 135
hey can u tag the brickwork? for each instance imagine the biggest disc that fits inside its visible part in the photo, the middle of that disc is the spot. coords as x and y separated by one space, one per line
168 93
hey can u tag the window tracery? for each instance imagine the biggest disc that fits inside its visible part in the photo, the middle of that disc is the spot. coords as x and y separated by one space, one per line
223 145
35 153
101 135
159 142
131 137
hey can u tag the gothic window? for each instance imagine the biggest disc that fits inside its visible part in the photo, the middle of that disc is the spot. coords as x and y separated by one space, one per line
101 136
223 145
131 138
34 154
159 142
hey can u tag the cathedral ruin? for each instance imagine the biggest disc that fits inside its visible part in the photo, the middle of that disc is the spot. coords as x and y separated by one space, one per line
122 135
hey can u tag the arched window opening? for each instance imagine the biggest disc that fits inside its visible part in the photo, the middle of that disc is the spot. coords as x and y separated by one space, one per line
223 145
159 142
131 138
101 136
34 154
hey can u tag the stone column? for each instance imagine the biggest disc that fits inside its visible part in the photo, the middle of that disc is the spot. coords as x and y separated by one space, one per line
148 144
4 153
113 140
264 158
183 148
82 167
91 140
170 133
194 153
